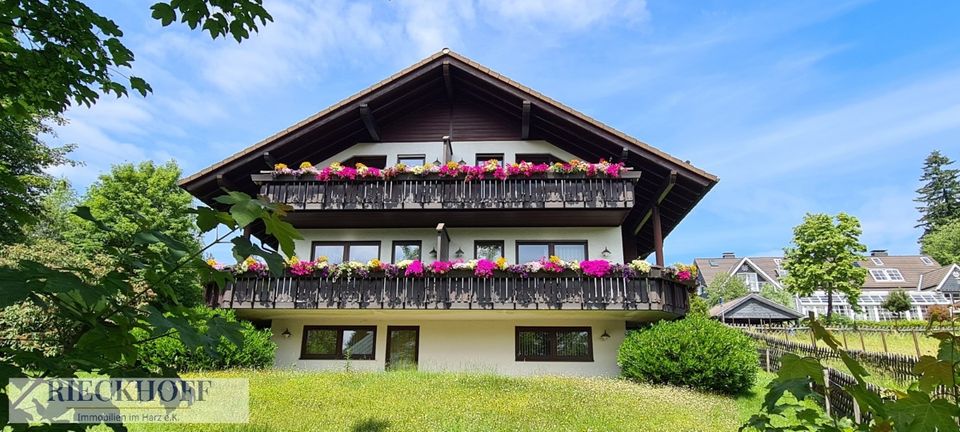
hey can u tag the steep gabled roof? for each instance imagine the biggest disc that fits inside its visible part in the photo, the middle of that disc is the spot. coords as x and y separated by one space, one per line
935 278
710 268
448 80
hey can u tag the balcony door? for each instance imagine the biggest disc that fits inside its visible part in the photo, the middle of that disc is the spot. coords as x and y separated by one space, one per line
403 347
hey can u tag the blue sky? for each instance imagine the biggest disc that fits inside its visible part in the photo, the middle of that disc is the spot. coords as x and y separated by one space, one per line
797 106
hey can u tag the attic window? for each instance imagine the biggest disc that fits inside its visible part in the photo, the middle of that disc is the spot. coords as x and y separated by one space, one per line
926 261
886 275
876 261
714 263
778 262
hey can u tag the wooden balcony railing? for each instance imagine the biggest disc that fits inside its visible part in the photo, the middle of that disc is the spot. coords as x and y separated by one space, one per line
454 291
408 192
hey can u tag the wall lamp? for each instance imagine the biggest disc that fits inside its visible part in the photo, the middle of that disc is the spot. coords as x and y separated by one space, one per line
286 334
604 336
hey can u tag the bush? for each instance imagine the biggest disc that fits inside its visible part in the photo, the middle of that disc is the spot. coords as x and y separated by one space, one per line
837 320
694 352
256 352
699 307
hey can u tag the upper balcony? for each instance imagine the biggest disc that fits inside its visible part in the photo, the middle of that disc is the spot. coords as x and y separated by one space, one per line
423 201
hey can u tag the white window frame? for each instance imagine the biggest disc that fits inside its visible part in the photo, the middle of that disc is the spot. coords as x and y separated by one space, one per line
778 262
894 275
876 261
881 273
753 283
926 261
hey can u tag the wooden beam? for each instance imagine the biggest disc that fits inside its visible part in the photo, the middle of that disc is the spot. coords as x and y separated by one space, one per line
367 116
443 242
654 203
447 80
269 160
657 235
447 149
525 122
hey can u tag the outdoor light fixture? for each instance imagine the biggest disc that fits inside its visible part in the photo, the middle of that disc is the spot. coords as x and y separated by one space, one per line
286 333
604 336
436 162
459 253
606 252
433 253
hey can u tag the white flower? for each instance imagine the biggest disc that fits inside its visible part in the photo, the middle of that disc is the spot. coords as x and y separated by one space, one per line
640 266
404 264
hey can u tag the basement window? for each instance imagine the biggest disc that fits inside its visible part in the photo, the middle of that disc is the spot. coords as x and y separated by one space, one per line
338 343
554 344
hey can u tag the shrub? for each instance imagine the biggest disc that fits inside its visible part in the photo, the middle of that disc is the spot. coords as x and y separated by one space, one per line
256 352
938 314
699 307
837 320
695 352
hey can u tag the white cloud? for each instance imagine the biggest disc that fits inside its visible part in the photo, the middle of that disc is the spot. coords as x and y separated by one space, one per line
568 14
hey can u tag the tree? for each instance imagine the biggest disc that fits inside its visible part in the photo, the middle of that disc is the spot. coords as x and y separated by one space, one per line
943 243
55 217
824 257
779 295
897 302
131 198
108 312
724 288
23 159
54 53
939 197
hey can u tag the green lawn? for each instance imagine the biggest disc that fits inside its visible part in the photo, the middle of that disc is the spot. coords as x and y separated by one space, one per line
416 401
897 342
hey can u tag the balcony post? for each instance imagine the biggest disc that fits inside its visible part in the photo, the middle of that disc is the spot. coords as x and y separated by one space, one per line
657 235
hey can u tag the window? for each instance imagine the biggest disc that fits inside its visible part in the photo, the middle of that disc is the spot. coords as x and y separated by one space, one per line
339 342
536 158
338 252
412 160
750 280
406 250
554 344
894 275
714 263
484 157
370 161
879 275
926 261
778 262
488 249
886 275
876 261
567 250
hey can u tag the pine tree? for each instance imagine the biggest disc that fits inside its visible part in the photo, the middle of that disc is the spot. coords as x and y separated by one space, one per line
940 194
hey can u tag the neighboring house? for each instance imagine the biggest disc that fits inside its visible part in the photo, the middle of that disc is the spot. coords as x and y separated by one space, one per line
753 309
446 109
926 282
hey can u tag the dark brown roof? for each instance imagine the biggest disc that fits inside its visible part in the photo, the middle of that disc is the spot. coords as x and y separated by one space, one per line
428 83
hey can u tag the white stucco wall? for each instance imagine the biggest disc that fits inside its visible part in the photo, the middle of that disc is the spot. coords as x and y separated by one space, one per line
466 150
597 239
472 341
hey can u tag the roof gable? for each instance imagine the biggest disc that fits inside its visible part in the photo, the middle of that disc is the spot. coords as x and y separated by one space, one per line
732 307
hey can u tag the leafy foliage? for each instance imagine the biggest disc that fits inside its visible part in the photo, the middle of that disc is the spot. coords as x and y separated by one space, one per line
53 53
105 312
698 307
897 302
939 197
23 159
131 198
779 295
696 352
943 243
823 257
917 409
256 351
724 288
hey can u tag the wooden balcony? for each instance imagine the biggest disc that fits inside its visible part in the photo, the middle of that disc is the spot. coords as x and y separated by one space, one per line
409 202
455 290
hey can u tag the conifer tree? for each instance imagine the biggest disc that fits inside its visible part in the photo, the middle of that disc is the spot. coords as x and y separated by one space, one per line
939 197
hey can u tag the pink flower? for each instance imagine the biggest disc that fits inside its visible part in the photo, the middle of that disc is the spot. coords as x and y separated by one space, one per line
684 275
614 169
324 174
484 268
301 268
347 173
595 268
440 267
415 269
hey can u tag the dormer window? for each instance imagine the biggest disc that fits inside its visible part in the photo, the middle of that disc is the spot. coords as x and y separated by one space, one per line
926 261
877 261
778 262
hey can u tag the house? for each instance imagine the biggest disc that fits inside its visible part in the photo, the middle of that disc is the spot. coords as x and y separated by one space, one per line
427 243
753 309
926 282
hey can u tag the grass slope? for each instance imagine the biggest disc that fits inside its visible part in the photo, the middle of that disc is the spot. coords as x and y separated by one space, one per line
417 401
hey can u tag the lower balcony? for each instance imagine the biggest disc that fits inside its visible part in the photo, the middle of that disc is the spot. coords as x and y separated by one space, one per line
453 291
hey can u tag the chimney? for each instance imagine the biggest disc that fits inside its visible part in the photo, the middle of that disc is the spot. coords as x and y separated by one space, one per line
729 255
878 253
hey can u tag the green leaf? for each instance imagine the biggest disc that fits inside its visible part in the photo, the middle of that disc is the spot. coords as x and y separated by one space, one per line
187 333
866 399
15 287
283 231
208 219
164 13
917 412
242 248
793 366
84 213
140 85
933 372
